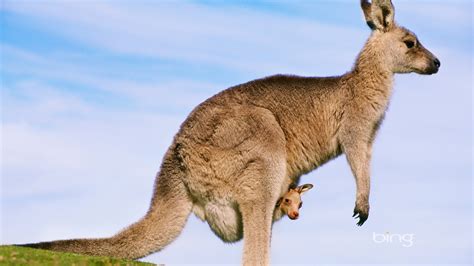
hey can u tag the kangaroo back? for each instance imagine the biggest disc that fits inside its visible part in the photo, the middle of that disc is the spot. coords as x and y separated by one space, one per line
169 210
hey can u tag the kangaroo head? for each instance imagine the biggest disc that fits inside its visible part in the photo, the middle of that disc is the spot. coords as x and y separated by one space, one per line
291 202
399 48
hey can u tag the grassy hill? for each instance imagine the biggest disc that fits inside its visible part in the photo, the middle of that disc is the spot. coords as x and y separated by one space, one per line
10 255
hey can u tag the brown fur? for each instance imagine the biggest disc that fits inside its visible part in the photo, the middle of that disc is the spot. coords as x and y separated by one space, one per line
238 152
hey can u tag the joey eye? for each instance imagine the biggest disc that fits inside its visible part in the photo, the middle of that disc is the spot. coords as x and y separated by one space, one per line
409 44
287 201
301 204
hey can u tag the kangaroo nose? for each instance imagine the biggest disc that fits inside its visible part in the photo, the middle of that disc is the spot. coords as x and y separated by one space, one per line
294 215
437 63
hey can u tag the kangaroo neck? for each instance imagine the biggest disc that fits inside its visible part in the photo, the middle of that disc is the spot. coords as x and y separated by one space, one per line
371 75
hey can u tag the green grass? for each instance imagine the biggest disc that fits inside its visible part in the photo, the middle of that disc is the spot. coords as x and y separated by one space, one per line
10 255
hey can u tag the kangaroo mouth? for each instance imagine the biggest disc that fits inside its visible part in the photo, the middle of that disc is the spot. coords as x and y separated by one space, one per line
428 71
292 217
432 71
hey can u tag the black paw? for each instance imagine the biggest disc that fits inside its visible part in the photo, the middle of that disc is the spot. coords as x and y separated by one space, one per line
361 212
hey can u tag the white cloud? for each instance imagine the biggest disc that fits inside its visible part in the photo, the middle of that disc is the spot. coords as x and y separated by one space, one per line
152 93
191 32
446 13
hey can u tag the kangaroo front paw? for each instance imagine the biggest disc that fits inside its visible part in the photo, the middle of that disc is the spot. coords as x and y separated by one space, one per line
361 211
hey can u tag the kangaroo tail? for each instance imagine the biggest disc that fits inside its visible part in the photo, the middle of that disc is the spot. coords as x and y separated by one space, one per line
169 210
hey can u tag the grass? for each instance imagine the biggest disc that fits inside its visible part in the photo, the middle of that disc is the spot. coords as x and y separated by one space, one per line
11 255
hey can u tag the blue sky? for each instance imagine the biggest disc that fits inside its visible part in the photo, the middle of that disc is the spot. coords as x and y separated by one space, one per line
93 92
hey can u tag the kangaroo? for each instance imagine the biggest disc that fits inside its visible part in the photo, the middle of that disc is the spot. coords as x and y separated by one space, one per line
291 202
239 151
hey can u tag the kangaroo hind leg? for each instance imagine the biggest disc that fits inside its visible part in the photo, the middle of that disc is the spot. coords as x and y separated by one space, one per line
258 195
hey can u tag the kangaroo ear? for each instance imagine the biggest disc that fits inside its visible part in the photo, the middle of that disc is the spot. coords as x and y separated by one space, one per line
302 189
379 14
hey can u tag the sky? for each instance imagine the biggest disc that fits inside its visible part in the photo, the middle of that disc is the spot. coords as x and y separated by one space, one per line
92 93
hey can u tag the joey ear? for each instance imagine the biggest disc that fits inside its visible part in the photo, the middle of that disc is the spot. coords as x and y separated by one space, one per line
302 189
279 202
379 14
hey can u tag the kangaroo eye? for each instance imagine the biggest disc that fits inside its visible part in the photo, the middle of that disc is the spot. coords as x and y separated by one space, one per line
301 204
287 201
409 44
